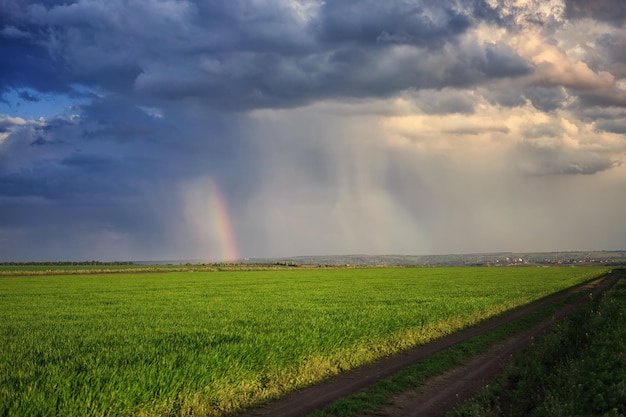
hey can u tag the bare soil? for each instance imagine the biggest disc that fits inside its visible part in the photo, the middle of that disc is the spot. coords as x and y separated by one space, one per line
444 392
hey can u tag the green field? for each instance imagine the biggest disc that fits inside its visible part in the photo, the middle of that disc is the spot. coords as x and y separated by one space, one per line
207 343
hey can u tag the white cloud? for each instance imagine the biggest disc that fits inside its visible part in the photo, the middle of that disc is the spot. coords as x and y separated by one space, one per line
9 124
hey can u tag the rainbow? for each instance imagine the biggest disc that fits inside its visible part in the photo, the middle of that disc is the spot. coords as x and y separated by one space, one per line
221 227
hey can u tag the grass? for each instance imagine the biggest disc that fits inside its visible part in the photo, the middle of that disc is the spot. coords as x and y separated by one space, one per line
211 343
376 399
579 369
373 399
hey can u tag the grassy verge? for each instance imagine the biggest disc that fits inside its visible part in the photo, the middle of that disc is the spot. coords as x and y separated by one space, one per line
579 369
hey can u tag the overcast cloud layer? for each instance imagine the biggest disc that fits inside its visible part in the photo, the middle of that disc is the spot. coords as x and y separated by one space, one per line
215 129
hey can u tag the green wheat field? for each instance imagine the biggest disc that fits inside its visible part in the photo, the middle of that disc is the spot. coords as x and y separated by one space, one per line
211 343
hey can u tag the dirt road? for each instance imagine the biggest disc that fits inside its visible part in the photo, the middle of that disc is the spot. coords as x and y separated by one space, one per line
444 392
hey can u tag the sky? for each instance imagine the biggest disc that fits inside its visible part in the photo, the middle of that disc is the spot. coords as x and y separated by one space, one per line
225 129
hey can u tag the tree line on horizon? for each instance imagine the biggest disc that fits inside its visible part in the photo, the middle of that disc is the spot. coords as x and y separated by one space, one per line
65 263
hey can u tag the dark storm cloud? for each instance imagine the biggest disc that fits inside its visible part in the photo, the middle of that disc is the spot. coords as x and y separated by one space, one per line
244 26
28 96
507 97
76 175
66 44
32 183
611 11
605 119
103 229
48 159
445 101
500 61
559 160
115 118
41 182
613 126
608 119
91 161
27 64
417 23
476 130
546 99
606 98
237 55
611 53
244 82
15 33
541 130
112 148
168 99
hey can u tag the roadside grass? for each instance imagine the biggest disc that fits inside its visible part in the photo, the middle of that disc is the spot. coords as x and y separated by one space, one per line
579 369
214 343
